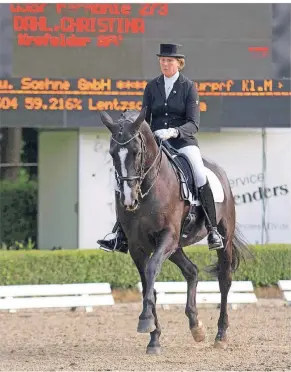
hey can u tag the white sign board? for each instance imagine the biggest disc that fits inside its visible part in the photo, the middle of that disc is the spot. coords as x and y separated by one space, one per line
259 181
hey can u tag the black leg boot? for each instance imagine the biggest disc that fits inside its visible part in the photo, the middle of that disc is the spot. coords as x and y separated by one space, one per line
206 197
119 243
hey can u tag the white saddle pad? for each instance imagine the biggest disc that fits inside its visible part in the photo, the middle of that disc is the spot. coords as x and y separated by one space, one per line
215 185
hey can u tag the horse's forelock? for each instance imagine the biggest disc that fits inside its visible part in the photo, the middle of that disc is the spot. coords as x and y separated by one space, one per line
129 115
126 128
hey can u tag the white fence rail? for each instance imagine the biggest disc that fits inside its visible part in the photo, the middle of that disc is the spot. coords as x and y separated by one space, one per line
13 297
285 286
175 293
88 295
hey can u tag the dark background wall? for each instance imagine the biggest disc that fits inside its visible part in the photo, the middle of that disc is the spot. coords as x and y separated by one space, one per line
281 40
215 38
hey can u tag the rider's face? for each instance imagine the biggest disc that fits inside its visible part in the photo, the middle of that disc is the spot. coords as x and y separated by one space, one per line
169 66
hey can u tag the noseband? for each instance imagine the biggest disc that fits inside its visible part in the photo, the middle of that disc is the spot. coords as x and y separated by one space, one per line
142 172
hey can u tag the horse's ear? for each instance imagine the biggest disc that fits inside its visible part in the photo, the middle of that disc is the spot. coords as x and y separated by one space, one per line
140 119
107 120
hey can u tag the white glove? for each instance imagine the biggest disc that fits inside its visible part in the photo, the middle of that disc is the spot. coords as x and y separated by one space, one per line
165 134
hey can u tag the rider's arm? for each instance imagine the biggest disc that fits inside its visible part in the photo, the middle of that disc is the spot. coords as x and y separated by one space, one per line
147 101
192 114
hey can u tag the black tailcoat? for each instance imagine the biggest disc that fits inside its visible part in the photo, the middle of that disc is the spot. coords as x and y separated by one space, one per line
181 110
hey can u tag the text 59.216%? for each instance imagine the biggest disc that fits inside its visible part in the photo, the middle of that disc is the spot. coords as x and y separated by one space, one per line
52 104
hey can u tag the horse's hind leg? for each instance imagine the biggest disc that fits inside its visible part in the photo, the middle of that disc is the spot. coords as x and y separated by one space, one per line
154 346
190 273
224 278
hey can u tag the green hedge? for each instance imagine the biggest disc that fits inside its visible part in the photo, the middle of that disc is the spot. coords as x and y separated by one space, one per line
18 211
270 264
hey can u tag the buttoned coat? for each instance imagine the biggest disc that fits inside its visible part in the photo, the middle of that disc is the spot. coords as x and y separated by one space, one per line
180 110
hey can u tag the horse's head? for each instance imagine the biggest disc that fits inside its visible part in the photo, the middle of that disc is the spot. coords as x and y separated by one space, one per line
128 151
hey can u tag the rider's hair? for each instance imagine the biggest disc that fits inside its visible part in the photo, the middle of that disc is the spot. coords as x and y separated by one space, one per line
181 63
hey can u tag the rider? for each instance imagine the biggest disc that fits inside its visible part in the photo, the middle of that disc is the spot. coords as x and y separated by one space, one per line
173 113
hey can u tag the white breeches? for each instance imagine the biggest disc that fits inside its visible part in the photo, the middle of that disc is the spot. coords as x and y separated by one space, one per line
194 155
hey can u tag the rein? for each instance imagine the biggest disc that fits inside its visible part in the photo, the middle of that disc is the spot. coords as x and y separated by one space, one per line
142 173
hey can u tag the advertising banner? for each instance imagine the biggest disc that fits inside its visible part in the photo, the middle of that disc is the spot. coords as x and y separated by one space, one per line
257 167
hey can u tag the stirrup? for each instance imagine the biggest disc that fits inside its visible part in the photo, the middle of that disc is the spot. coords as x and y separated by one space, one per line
115 245
215 248
106 249
221 246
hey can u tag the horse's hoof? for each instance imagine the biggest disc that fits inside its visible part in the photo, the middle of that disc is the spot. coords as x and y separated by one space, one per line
222 345
154 350
146 325
198 332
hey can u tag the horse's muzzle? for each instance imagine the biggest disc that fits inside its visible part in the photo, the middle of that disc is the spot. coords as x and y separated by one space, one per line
133 206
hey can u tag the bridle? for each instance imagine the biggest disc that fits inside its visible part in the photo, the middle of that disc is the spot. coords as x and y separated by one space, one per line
140 177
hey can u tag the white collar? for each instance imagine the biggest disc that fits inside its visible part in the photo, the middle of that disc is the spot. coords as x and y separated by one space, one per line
172 79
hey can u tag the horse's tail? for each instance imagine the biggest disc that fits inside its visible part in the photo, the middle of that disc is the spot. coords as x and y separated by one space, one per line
240 250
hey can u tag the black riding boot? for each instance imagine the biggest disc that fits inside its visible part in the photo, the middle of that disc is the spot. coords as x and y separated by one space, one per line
119 243
206 197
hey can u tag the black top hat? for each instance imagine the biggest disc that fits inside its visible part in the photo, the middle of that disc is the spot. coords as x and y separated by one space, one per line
170 50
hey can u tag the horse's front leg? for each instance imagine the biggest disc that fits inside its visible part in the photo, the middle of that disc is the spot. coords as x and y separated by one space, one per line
140 259
166 245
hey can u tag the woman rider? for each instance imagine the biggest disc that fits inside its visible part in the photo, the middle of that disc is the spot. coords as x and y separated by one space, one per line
173 113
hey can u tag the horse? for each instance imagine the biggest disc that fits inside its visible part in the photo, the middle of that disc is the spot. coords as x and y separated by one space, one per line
152 215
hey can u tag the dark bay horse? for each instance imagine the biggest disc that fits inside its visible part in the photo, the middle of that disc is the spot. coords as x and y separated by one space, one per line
151 213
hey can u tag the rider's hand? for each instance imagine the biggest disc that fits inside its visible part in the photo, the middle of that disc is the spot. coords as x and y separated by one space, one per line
165 134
